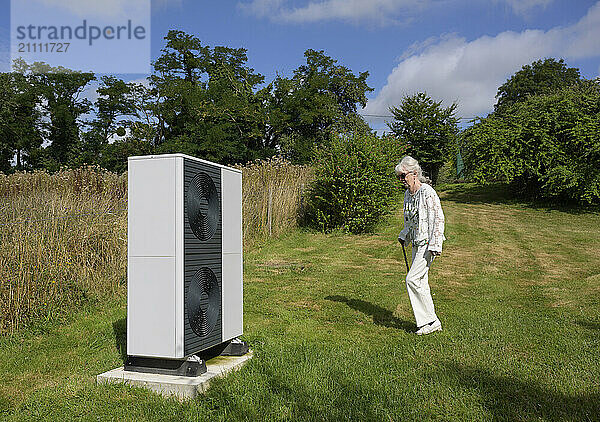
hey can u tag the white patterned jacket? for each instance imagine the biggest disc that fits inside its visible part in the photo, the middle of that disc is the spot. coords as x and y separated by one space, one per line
423 219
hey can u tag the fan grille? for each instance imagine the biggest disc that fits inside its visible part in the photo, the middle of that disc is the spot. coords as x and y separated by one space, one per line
203 302
203 206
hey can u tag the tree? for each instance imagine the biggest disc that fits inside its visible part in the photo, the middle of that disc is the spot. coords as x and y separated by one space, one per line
548 147
115 102
114 155
429 130
115 105
7 104
20 124
61 90
143 126
320 99
206 101
541 77
354 183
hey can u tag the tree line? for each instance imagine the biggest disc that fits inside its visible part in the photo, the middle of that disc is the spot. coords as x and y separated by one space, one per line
200 100
542 136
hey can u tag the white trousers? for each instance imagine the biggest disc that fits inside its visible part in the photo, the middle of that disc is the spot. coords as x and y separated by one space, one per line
417 285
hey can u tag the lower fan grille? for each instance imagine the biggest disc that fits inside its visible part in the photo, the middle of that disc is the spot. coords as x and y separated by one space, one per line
203 302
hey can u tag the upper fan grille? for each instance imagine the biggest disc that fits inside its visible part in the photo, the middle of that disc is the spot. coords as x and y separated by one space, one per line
203 302
203 206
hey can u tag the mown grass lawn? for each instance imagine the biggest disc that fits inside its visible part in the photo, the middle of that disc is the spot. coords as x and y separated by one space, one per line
517 290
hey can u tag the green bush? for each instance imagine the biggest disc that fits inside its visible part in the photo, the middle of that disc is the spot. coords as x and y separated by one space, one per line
354 184
547 147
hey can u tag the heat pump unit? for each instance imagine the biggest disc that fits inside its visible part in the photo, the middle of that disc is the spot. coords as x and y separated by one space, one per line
184 276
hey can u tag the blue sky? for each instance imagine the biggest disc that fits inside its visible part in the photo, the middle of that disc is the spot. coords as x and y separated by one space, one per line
455 50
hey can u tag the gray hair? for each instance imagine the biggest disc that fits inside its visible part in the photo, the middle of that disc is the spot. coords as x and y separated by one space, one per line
410 165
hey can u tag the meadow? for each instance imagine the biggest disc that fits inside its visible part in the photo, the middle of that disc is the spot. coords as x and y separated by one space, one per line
517 289
63 237
272 197
63 242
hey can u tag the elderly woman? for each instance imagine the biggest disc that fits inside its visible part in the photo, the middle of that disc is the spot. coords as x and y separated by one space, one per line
424 228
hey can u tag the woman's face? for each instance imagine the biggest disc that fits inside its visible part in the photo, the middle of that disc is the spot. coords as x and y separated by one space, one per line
405 177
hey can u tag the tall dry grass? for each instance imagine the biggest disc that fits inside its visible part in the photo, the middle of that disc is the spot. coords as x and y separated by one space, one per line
63 236
272 196
63 241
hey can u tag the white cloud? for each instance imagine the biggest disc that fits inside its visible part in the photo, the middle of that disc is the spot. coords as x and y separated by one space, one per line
95 8
261 8
418 46
470 72
381 12
523 7
377 11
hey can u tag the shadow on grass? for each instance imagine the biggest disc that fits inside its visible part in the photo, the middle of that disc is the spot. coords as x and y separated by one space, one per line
381 316
587 324
289 393
5 405
471 193
502 194
120 331
512 399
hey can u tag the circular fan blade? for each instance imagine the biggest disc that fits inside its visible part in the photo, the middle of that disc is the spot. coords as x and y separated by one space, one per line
203 206
203 302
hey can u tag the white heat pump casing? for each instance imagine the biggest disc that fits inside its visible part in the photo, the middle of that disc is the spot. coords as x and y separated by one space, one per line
156 273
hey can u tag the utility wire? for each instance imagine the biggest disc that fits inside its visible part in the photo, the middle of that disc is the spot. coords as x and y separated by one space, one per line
389 116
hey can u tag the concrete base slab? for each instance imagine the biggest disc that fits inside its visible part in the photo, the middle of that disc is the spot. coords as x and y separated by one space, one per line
180 387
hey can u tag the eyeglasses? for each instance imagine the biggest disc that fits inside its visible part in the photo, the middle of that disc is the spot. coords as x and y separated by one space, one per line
402 176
